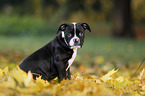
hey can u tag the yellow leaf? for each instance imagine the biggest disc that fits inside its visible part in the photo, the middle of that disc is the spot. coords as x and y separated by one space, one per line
19 75
28 81
136 93
41 82
107 77
142 74
5 71
122 82
11 83
142 78
1 73
120 79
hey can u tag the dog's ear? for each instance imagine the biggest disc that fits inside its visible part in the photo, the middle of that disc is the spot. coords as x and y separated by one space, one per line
85 26
62 27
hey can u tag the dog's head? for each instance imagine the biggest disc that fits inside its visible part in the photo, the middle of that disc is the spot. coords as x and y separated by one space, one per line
74 33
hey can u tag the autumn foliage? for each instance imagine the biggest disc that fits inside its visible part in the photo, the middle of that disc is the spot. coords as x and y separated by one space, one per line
16 82
92 75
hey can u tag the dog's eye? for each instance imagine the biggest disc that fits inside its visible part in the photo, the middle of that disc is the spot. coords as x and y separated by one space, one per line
69 35
80 34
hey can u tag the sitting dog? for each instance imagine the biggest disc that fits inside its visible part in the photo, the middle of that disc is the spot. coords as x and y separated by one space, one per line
55 58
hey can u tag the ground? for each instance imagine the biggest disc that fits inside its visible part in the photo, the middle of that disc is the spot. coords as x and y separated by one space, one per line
104 66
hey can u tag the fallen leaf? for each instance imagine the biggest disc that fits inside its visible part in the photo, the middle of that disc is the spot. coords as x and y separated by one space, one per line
107 77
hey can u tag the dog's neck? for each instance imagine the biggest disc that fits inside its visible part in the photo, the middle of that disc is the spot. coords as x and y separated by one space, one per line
70 61
61 40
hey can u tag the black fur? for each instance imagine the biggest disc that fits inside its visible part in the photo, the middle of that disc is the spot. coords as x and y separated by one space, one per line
51 60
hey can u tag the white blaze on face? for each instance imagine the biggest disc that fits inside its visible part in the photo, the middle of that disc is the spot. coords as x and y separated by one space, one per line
74 27
70 61
72 43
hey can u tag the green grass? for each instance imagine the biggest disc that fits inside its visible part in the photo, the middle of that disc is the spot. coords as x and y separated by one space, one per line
123 49
114 50
24 44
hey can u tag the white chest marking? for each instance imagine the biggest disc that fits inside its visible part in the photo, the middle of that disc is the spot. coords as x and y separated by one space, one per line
70 61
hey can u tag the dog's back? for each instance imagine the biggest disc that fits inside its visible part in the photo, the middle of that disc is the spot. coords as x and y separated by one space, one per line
54 59
38 62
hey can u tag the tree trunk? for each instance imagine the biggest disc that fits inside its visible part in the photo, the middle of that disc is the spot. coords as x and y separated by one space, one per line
122 21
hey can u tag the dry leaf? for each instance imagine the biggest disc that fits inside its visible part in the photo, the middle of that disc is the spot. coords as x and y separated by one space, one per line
107 77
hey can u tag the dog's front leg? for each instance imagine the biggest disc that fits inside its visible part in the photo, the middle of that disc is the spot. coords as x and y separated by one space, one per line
61 71
68 74
61 74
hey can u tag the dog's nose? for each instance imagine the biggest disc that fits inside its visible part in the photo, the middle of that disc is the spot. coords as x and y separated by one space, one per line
76 40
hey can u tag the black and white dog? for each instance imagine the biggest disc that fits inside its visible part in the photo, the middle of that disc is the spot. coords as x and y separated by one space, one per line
55 58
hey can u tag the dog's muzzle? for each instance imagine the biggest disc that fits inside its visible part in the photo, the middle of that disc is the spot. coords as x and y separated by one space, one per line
75 43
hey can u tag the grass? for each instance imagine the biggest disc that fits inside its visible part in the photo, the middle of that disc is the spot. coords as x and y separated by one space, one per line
114 50
23 43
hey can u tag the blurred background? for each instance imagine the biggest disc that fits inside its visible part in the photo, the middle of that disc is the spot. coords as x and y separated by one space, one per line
121 18
116 40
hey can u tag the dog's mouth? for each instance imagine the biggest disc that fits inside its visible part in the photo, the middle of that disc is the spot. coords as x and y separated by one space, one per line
72 47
